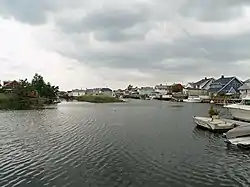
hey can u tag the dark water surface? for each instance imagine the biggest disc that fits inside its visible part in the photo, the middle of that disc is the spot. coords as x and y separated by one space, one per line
139 143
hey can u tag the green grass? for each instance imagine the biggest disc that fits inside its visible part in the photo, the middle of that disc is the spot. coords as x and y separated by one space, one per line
98 99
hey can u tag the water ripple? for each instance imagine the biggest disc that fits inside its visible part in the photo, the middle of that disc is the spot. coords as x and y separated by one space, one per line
82 145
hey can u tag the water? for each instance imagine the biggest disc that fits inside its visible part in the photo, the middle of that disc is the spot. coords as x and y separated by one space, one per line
139 143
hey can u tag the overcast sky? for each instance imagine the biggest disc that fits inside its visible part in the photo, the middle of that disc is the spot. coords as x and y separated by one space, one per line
99 43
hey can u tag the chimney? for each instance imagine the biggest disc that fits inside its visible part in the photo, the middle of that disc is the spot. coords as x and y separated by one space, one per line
205 78
222 76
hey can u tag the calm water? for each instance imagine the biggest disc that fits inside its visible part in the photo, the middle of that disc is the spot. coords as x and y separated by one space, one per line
139 143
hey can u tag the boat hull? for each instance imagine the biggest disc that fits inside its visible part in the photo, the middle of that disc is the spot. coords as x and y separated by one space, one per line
215 125
240 114
192 100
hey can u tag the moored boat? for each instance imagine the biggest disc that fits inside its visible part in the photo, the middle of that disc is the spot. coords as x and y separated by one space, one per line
239 136
240 110
213 124
193 99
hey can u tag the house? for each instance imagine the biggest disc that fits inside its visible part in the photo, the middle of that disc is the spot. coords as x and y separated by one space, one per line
162 89
93 91
100 91
203 84
146 91
225 85
175 88
245 89
106 92
9 86
195 92
76 93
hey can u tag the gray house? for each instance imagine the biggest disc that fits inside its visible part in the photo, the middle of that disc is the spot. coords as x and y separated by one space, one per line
245 89
225 85
203 84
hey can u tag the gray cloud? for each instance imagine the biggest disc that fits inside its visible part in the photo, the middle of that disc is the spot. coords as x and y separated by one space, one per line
34 11
123 34
214 10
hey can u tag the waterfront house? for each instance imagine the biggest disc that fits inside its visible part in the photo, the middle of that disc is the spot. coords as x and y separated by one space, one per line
99 91
175 88
245 89
146 91
195 92
76 93
162 89
203 84
225 86
106 92
9 86
93 91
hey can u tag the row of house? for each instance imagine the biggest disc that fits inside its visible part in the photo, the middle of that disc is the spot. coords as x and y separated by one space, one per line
93 91
204 87
221 86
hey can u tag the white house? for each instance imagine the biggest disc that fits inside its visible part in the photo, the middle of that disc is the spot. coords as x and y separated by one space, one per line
147 91
162 89
245 89
106 92
76 93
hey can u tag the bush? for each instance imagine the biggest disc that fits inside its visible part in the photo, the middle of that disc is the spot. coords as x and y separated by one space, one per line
213 112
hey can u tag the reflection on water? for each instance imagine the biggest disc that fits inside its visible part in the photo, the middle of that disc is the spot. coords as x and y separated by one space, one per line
139 143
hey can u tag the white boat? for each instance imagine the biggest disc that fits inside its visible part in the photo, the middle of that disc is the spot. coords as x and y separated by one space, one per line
241 110
239 136
165 97
193 99
213 124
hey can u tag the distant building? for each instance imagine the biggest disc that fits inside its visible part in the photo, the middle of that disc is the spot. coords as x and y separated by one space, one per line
106 92
162 89
175 88
9 86
195 92
147 91
100 91
76 93
225 85
245 89
203 84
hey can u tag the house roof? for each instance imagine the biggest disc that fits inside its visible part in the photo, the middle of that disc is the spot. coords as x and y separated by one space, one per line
245 86
203 82
78 90
223 81
247 81
106 90
10 83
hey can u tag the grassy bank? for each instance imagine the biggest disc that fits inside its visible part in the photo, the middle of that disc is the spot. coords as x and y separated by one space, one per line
98 99
13 102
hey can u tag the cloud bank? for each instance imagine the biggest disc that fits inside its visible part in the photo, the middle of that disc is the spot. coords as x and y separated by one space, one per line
79 44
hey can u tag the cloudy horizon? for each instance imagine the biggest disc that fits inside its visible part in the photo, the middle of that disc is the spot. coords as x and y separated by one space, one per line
80 44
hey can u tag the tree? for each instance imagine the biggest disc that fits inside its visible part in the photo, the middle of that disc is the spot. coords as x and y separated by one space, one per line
130 87
44 89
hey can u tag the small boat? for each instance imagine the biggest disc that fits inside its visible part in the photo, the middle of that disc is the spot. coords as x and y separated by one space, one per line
193 99
240 110
213 124
239 136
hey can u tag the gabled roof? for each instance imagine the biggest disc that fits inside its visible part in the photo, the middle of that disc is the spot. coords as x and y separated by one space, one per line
223 80
202 81
106 90
245 86
247 81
